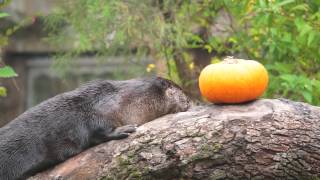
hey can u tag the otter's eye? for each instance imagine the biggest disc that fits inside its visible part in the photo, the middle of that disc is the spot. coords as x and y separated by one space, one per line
170 92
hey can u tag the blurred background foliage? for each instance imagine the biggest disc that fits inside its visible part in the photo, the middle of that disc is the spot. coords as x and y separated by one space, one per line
5 71
183 37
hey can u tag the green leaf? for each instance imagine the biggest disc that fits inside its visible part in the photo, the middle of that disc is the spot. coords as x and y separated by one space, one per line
106 11
291 79
283 68
285 3
3 91
311 37
302 7
7 72
208 47
299 23
287 37
196 38
307 96
308 87
4 15
262 4
306 29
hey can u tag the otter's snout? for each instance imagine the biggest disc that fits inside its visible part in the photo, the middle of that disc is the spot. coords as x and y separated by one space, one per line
185 102
181 101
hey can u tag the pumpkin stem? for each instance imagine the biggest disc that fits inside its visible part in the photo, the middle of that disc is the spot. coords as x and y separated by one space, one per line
230 60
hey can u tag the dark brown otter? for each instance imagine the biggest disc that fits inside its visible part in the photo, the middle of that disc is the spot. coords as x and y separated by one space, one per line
69 123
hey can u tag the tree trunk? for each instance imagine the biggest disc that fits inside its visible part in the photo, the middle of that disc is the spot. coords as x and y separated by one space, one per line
188 77
264 139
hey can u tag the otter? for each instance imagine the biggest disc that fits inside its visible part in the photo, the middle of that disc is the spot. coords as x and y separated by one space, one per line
67 124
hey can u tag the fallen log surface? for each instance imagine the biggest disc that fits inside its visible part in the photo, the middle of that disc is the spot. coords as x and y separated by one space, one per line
264 139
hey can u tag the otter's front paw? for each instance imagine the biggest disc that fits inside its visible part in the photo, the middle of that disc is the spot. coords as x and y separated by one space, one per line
122 132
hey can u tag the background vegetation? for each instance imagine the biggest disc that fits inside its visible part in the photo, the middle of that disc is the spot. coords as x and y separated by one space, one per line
5 71
282 34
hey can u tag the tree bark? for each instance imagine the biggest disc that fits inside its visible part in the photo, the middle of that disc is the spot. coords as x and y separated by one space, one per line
263 139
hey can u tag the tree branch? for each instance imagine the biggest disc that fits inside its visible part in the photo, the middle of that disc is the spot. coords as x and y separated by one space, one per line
264 139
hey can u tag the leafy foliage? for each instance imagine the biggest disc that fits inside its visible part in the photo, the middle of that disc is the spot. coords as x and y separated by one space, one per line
282 34
285 36
7 71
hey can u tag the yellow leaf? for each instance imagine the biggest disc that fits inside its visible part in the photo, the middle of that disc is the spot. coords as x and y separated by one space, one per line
3 91
191 66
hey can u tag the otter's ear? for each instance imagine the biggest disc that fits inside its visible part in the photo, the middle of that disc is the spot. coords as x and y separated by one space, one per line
162 83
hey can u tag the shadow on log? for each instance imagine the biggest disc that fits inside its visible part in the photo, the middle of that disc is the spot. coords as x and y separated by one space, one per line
264 139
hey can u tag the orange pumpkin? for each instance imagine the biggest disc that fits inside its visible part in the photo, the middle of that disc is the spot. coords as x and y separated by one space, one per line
233 81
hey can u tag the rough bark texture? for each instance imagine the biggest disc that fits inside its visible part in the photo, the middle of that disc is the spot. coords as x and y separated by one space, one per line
264 139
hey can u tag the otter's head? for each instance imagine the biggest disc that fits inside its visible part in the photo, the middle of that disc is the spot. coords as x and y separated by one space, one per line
176 99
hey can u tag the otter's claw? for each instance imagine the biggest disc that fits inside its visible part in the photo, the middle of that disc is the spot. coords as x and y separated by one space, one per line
127 128
122 132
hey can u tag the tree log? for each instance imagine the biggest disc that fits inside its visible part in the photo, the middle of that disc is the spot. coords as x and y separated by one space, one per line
264 139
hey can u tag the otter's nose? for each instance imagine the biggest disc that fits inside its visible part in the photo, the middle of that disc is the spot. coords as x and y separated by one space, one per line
189 103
